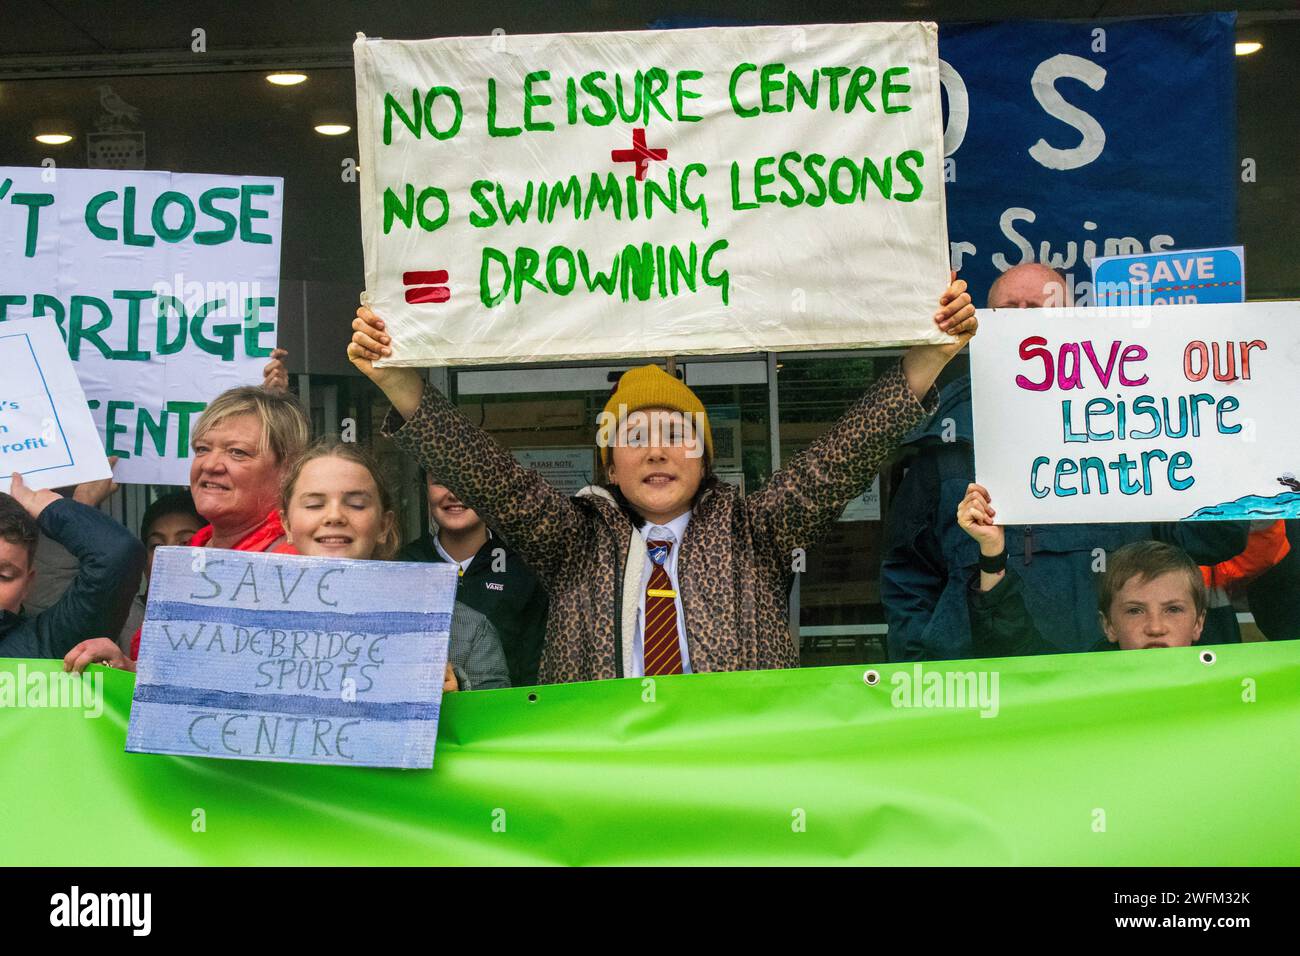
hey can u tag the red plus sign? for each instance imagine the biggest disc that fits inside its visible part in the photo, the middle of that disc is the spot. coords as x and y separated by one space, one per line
638 154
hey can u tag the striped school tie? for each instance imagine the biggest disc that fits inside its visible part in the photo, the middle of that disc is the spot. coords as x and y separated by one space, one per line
662 653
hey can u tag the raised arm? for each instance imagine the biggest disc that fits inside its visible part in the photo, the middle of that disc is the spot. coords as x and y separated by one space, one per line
800 501
110 561
540 522
1000 623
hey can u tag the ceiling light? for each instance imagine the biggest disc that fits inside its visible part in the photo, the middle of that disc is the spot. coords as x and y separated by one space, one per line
332 122
53 131
1249 47
286 79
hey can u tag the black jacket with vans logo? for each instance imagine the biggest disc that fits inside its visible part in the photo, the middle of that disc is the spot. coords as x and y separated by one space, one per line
512 599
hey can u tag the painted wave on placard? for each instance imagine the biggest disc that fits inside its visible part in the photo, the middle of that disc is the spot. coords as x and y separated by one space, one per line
1251 508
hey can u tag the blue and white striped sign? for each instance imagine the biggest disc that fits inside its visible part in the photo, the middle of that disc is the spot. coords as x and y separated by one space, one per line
290 658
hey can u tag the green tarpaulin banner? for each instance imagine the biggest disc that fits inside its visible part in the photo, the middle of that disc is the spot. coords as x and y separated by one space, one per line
1134 758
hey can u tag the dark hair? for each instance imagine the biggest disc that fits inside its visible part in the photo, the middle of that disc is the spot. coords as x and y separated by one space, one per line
387 546
18 527
1147 560
176 503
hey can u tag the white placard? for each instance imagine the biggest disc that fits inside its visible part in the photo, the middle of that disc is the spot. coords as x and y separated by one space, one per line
278 657
1139 414
164 285
571 196
46 432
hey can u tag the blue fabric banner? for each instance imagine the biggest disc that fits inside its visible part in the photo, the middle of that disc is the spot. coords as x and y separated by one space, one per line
1068 140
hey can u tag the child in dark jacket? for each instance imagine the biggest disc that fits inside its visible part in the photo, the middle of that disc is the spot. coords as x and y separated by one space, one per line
1152 593
494 580
110 558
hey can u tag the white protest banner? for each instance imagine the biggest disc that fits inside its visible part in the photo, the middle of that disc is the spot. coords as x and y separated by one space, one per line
1139 414
288 658
164 285
556 197
46 432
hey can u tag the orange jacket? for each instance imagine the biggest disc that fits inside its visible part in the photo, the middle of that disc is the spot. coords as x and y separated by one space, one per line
1264 548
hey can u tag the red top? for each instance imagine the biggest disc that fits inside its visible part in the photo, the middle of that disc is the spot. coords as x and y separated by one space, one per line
260 538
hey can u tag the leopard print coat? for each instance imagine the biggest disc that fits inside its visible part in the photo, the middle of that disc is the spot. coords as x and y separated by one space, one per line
736 564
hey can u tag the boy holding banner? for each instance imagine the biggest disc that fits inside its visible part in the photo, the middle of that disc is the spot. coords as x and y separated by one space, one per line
929 560
1152 594
665 569
110 561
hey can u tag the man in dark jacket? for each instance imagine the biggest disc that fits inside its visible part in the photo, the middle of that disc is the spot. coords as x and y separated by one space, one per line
110 562
929 560
494 580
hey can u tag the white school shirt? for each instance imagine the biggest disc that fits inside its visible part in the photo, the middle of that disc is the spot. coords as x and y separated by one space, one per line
464 565
673 531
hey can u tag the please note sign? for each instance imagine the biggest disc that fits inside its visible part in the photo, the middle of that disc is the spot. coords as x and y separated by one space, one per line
291 658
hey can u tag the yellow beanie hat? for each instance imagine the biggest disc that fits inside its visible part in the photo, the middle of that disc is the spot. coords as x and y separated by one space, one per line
651 387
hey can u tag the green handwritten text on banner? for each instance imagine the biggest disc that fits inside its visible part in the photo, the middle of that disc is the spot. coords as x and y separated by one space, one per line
165 287
653 193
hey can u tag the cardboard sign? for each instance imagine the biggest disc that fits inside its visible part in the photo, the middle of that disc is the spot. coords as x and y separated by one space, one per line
1139 414
1189 277
165 287
46 432
529 198
294 659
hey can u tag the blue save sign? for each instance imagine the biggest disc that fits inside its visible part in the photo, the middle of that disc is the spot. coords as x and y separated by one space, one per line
1192 276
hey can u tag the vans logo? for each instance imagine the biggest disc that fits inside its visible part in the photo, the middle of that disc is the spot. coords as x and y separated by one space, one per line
495 586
